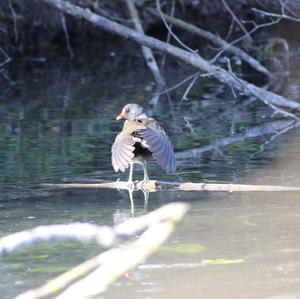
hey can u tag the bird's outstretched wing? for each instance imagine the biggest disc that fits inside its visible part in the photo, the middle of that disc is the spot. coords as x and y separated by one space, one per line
122 151
159 144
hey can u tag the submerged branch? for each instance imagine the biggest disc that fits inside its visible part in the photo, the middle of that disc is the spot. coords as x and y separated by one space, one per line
269 128
193 59
159 185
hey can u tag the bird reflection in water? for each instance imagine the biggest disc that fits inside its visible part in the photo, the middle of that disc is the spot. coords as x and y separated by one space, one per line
122 215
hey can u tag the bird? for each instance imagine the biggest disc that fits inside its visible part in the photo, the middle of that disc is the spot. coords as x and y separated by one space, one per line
141 139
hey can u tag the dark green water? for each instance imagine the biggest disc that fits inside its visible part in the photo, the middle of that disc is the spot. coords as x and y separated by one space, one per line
58 123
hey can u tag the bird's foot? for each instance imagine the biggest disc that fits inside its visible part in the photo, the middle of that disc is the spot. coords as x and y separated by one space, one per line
144 184
147 185
130 184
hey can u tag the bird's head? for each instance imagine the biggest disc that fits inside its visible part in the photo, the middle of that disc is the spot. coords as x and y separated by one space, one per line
131 111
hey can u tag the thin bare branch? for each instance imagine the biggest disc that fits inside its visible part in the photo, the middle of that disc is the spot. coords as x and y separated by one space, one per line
171 31
236 19
255 28
191 77
164 57
14 20
65 29
214 39
190 86
147 52
280 16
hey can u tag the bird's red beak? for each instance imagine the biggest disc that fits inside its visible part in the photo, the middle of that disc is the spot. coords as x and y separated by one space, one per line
121 115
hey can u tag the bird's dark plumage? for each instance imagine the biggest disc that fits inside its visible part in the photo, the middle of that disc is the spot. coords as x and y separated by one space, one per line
141 139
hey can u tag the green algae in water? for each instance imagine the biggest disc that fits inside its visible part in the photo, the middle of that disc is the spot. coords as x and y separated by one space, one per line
223 261
184 248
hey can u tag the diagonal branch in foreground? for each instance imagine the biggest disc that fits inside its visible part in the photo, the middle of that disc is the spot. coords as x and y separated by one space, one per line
190 58
97 274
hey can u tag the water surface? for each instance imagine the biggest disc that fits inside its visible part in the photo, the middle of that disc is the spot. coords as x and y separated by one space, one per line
58 123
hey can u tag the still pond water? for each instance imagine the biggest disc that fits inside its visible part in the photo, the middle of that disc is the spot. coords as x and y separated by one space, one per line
58 123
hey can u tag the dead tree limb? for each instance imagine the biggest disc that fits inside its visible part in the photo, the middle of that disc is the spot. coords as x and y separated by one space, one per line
147 52
270 128
191 58
215 39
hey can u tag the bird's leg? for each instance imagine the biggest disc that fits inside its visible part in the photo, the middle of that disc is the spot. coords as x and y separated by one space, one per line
146 197
130 181
146 177
130 191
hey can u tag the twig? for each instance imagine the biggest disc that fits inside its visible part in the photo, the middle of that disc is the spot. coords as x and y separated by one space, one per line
280 16
147 52
65 29
230 30
7 58
236 19
14 20
231 72
106 13
184 97
250 32
171 31
163 60
215 39
5 76
178 84
189 125
277 109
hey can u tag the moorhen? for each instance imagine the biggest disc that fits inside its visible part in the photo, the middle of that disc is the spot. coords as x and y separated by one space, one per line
140 140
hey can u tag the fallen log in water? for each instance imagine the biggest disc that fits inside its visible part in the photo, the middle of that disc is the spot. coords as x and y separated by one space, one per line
189 186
